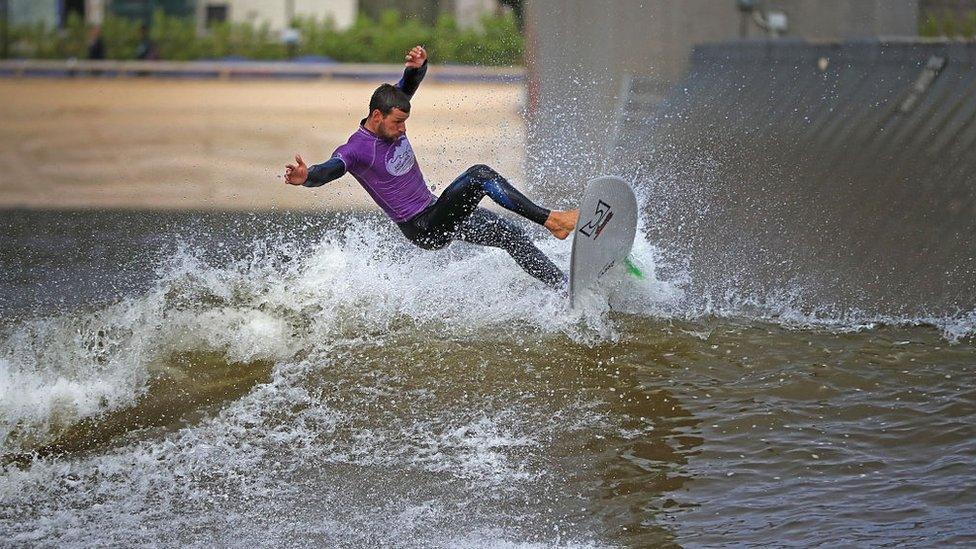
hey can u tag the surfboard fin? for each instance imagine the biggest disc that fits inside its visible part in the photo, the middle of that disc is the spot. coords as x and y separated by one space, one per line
632 268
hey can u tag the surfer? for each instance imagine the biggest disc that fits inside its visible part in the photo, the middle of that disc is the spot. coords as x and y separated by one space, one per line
380 157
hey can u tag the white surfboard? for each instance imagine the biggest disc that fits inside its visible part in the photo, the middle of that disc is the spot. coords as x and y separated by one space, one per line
604 233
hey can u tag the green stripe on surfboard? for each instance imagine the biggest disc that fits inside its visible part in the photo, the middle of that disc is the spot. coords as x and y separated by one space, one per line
633 269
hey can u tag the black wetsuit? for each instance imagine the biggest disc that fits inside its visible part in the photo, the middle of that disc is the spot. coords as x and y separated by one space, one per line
456 215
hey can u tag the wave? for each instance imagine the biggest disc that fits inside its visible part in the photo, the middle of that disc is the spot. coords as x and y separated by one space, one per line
283 298
278 300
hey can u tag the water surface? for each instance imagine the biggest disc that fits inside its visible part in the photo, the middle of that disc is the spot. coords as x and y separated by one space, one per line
191 379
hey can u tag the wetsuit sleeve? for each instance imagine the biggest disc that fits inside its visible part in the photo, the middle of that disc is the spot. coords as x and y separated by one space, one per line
411 79
320 174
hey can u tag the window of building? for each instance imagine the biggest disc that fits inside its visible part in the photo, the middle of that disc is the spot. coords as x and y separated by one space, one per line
142 10
216 13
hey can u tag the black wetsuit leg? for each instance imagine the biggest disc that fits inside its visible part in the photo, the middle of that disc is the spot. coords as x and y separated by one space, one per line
435 226
487 228
442 221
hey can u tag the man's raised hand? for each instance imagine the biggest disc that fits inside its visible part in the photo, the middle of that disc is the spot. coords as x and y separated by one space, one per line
415 58
296 174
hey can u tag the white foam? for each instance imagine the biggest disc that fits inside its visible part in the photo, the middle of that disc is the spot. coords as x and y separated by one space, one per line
44 397
364 281
256 456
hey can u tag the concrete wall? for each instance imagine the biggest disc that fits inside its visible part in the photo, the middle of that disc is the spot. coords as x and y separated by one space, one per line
843 170
844 19
580 52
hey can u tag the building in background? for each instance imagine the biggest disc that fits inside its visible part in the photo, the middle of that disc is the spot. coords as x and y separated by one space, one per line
55 13
467 12
50 13
277 14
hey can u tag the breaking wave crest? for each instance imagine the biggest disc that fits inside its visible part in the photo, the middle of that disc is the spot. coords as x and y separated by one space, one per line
284 299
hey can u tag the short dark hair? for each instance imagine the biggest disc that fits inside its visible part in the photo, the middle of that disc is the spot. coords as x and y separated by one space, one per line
388 97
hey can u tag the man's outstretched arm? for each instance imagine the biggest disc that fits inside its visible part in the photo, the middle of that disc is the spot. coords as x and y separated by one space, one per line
317 175
416 68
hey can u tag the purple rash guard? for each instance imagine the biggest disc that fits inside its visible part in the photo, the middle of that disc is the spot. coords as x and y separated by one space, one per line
388 171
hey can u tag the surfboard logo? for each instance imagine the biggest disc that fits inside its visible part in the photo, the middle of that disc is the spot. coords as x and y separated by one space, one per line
399 158
594 226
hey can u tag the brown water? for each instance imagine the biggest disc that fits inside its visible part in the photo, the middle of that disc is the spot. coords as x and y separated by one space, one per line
190 379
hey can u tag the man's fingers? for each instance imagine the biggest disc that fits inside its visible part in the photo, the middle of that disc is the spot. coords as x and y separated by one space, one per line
415 57
298 158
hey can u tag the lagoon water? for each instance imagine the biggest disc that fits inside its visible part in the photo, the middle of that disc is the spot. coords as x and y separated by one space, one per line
200 379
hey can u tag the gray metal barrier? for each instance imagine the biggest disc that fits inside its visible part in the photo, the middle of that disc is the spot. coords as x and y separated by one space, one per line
846 172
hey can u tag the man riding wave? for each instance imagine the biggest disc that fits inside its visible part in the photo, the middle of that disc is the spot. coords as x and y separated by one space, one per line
380 157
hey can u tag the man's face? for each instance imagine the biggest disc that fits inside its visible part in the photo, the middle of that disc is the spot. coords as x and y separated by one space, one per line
393 125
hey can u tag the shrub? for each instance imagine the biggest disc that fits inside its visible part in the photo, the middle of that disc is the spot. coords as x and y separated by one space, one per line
384 40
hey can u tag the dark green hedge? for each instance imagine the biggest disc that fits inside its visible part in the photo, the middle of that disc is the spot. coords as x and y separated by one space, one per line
496 42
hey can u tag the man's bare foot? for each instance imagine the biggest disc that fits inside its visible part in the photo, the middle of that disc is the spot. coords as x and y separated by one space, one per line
561 223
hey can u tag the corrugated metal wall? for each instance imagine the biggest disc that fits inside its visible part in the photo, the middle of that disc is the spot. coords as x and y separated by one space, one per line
847 169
